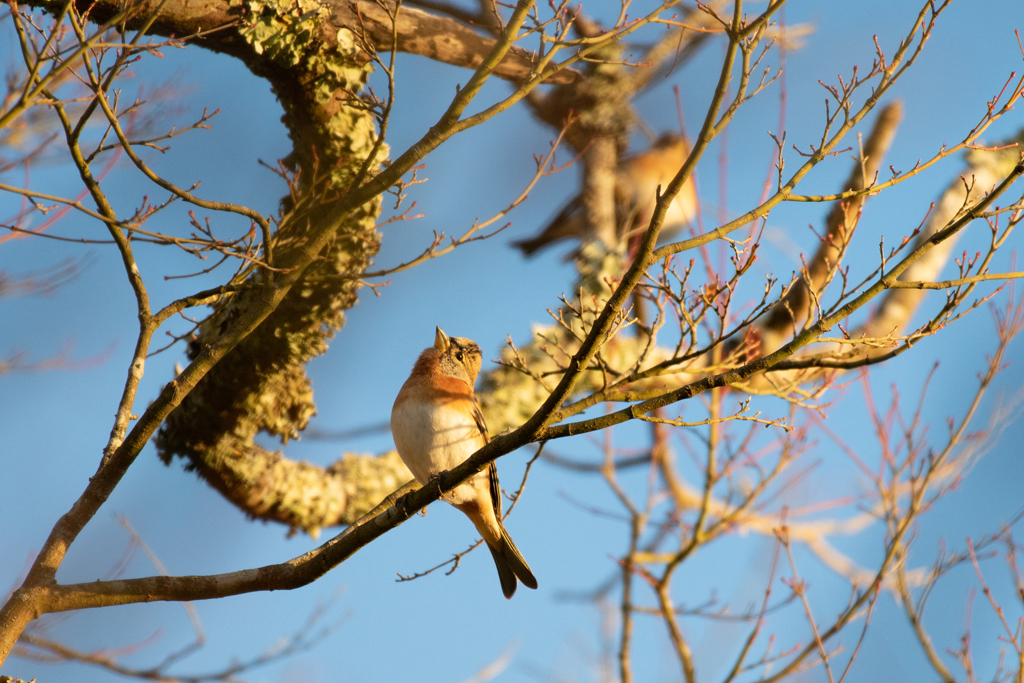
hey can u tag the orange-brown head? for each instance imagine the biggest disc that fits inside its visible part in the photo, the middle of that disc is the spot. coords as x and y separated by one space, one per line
455 357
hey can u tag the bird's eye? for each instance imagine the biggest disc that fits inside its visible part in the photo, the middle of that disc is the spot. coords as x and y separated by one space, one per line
458 355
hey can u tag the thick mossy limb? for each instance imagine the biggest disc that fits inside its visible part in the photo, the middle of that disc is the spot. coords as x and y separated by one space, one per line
261 386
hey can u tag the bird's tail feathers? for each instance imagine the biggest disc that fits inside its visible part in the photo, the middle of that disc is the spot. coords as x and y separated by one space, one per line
530 246
563 225
505 573
510 564
515 560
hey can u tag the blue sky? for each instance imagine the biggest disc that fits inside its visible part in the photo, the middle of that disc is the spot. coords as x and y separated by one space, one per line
446 628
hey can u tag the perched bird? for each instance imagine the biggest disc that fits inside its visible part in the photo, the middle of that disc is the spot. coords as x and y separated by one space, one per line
636 180
437 425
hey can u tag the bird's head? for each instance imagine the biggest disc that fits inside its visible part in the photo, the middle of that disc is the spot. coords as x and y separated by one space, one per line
457 356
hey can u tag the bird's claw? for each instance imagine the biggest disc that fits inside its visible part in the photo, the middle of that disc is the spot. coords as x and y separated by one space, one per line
402 504
437 477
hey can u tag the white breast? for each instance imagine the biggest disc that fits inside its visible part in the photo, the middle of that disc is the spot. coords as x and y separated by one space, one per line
432 438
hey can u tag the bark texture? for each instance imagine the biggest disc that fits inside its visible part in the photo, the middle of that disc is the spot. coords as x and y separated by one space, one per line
261 386
316 56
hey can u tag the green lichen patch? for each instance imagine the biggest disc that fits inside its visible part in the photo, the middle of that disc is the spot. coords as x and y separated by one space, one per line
261 386
291 33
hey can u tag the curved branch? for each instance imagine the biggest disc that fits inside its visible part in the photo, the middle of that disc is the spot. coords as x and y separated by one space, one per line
419 32
438 38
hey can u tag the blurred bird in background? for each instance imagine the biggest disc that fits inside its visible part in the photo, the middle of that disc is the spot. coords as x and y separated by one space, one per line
636 181
437 424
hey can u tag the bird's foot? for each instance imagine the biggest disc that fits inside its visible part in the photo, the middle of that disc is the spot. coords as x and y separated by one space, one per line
437 477
402 504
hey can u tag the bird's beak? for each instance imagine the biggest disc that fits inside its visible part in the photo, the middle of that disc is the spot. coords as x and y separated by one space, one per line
441 342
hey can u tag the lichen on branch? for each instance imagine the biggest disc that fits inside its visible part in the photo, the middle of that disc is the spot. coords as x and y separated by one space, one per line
261 386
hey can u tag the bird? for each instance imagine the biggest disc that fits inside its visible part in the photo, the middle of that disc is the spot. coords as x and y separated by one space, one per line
437 424
636 180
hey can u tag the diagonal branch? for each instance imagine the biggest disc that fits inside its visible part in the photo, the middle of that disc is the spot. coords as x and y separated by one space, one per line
794 309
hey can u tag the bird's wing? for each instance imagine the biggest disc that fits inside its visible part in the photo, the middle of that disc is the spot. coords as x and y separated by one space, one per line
480 424
492 469
492 474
